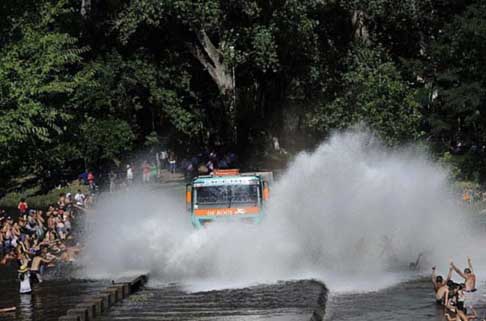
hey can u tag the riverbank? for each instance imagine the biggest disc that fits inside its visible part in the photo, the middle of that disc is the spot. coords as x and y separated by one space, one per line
36 199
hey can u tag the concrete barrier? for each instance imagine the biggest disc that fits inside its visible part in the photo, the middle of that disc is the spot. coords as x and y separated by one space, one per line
125 289
69 318
107 298
82 314
114 293
98 304
320 307
119 291
90 310
137 283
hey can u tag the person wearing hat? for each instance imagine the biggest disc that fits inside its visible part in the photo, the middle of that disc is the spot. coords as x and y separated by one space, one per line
24 277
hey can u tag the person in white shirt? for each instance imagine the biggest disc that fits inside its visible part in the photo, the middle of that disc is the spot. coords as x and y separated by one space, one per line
79 198
129 175
24 277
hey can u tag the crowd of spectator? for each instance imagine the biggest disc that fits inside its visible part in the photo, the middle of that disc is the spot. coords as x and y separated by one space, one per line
205 163
165 165
34 240
471 195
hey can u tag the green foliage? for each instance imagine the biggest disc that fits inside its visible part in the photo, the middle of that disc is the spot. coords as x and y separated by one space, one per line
456 115
374 94
106 139
127 75
40 201
37 74
265 52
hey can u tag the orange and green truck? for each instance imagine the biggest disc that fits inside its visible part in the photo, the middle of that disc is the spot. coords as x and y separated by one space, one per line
228 195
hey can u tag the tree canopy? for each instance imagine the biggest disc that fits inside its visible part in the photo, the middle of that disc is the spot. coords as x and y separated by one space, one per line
89 83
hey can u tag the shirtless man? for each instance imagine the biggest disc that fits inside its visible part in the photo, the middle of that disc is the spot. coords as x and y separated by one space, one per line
36 264
468 275
440 287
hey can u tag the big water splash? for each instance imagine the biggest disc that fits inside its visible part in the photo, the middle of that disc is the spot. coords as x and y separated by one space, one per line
352 213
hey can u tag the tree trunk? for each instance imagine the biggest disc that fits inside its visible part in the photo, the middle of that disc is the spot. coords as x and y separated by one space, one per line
85 7
220 71
360 30
213 61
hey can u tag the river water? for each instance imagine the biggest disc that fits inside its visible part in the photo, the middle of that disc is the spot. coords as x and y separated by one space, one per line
411 300
350 208
48 300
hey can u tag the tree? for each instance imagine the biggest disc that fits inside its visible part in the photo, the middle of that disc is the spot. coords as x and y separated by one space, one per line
106 141
38 72
375 94
455 117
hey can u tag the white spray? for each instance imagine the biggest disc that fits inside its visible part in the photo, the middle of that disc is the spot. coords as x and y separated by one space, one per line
352 213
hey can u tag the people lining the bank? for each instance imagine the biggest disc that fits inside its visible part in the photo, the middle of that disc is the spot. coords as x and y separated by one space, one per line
80 198
36 241
23 206
150 171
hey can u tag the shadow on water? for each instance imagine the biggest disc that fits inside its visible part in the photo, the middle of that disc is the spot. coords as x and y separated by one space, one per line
48 301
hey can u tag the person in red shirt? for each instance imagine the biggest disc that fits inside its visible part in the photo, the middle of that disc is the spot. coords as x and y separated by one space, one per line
23 206
91 178
146 172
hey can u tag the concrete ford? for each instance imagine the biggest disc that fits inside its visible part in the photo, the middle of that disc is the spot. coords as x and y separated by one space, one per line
227 195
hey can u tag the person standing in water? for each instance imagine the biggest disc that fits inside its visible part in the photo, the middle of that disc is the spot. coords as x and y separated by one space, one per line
468 275
24 277
441 288
469 281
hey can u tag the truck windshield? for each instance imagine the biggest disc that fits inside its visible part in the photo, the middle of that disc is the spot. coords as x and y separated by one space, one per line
226 196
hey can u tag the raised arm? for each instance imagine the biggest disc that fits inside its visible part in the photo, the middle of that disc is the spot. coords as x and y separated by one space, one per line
457 270
449 275
469 264
433 277
418 260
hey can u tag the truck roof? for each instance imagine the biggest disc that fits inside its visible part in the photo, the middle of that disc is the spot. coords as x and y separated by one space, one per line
225 180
